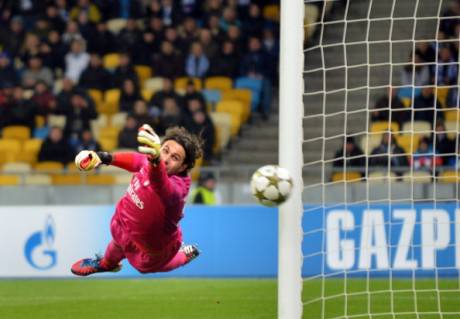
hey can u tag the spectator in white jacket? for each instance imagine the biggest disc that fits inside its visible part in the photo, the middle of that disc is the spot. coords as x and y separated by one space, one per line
76 60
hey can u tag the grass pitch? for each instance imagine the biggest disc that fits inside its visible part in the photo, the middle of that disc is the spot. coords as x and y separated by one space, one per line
138 298
226 299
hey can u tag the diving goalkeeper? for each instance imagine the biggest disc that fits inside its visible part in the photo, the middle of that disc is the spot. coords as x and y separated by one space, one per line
145 226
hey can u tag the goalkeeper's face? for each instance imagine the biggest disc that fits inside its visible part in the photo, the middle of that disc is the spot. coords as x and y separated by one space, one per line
173 155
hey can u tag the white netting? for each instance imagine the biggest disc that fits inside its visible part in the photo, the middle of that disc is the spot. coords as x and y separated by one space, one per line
381 111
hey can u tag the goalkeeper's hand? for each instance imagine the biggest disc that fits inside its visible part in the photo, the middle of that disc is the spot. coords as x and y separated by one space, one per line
149 142
88 160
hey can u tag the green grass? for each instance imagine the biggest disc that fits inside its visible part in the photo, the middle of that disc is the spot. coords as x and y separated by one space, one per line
227 298
138 298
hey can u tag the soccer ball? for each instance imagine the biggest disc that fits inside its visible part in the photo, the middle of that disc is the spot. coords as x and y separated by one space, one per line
271 185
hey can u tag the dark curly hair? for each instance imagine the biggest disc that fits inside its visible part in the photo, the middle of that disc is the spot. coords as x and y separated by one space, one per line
192 144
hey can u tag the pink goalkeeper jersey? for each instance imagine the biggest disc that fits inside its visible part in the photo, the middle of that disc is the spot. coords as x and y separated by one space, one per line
151 208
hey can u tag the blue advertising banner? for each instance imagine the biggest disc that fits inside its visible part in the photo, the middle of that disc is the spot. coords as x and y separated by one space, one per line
242 241
424 238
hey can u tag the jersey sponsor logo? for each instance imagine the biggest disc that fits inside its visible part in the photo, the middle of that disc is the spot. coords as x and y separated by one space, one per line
39 248
132 188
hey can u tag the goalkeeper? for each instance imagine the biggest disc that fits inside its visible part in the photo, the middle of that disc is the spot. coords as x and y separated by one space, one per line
145 226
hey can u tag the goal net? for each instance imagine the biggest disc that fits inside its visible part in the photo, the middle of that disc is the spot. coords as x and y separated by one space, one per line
381 220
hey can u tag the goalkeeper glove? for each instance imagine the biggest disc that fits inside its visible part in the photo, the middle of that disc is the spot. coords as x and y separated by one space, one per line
88 160
150 142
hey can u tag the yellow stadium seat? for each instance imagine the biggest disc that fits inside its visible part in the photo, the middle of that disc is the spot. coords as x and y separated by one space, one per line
448 177
108 143
242 95
154 84
147 94
409 142
49 166
123 179
381 177
346 177
118 120
222 83
272 12
16 132
40 121
235 109
181 83
37 179
96 95
57 120
100 179
116 25
452 128
452 116
66 179
9 150
369 142
111 102
383 126
421 128
111 61
417 177
406 101
109 132
34 144
223 123
143 72
16 167
441 94
195 172
29 157
10 180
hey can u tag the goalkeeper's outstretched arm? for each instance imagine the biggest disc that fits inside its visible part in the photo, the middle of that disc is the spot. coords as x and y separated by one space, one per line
89 160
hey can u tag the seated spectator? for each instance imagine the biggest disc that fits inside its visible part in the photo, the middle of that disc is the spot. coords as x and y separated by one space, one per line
444 146
420 78
197 63
229 18
71 33
209 45
7 71
55 51
129 95
95 76
254 23
227 62
201 124
127 138
450 18
87 141
350 156
141 114
36 72
213 25
129 37
56 148
446 69
76 60
424 157
63 97
19 111
168 63
44 99
79 114
390 102
12 37
125 71
55 20
191 93
389 153
170 115
425 106
125 10
101 41
453 99
167 92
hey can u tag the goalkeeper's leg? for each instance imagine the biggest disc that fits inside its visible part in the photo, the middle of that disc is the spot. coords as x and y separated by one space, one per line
185 255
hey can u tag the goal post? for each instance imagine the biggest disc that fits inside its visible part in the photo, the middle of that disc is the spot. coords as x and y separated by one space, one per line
372 233
290 157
